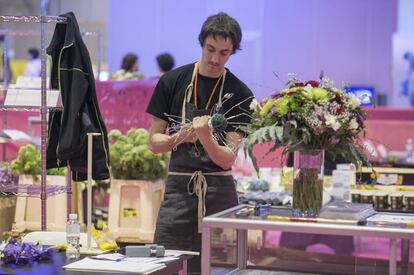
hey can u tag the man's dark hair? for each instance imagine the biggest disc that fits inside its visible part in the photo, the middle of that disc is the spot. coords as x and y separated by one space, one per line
165 61
34 53
223 25
128 61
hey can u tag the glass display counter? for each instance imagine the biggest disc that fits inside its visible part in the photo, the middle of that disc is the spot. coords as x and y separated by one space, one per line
240 222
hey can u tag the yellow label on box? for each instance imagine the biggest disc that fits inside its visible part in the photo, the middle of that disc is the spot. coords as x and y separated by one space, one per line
130 212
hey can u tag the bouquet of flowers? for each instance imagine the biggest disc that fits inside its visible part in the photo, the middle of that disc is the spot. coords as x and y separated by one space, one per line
309 116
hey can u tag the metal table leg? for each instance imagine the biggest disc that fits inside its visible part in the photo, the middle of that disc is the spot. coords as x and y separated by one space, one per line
405 254
183 270
205 250
393 257
241 249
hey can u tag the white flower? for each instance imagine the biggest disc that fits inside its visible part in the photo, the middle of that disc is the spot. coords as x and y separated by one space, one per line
353 124
326 83
2 246
331 121
354 101
254 105
308 88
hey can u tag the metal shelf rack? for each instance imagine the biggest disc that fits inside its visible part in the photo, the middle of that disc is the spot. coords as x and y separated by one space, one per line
6 32
41 190
31 190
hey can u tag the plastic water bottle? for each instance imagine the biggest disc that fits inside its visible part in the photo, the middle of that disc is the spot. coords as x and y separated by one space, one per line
409 151
72 237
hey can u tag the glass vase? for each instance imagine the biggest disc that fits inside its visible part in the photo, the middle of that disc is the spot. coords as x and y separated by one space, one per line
308 183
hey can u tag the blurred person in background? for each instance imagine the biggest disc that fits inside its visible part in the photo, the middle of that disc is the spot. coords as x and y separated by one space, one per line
34 65
6 74
407 85
165 63
129 69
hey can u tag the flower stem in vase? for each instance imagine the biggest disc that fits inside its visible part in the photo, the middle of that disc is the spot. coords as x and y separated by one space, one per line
307 192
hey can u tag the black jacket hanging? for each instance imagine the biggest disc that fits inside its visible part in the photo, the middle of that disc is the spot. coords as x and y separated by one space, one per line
72 75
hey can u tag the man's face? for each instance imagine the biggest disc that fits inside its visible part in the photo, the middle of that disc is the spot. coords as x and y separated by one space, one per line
216 52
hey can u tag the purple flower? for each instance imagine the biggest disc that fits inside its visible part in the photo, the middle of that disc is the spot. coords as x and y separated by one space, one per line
7 178
22 253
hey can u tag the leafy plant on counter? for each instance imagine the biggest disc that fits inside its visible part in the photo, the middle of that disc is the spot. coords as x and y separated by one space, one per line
28 162
131 158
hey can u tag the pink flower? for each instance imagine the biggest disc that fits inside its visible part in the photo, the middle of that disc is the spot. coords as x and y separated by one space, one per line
313 83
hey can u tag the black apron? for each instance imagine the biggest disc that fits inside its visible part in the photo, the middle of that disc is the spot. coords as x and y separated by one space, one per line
177 223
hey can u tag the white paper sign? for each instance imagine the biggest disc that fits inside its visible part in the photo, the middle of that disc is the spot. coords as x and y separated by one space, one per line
31 97
29 82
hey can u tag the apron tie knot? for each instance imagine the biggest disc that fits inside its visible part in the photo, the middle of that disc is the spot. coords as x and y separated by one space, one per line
198 185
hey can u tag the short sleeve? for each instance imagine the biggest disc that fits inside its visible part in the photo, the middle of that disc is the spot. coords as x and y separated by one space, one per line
240 113
161 100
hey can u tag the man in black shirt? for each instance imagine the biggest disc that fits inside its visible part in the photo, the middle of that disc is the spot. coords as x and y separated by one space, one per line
199 180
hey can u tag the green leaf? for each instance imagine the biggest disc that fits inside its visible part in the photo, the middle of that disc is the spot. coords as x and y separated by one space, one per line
279 133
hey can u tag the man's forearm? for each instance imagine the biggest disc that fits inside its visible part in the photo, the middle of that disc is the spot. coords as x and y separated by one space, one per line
161 143
223 156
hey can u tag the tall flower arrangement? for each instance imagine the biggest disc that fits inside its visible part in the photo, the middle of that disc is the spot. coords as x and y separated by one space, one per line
309 116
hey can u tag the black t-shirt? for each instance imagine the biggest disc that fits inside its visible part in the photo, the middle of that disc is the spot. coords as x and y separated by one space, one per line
169 95
168 98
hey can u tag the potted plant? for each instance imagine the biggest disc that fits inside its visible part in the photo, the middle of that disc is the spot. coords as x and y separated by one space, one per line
137 185
27 166
131 158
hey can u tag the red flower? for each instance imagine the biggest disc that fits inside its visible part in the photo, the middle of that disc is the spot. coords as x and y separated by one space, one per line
275 96
297 84
313 83
292 93
360 121
338 99
340 110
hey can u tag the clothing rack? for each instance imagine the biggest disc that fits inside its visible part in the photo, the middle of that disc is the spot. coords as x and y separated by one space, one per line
43 20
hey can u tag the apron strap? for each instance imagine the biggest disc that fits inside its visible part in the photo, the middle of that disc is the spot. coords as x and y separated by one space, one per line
221 90
189 91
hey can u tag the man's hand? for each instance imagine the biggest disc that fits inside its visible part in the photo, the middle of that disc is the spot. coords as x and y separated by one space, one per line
160 142
185 135
223 156
201 128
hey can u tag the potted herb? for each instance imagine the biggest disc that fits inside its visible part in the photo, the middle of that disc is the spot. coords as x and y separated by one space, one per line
137 185
131 158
